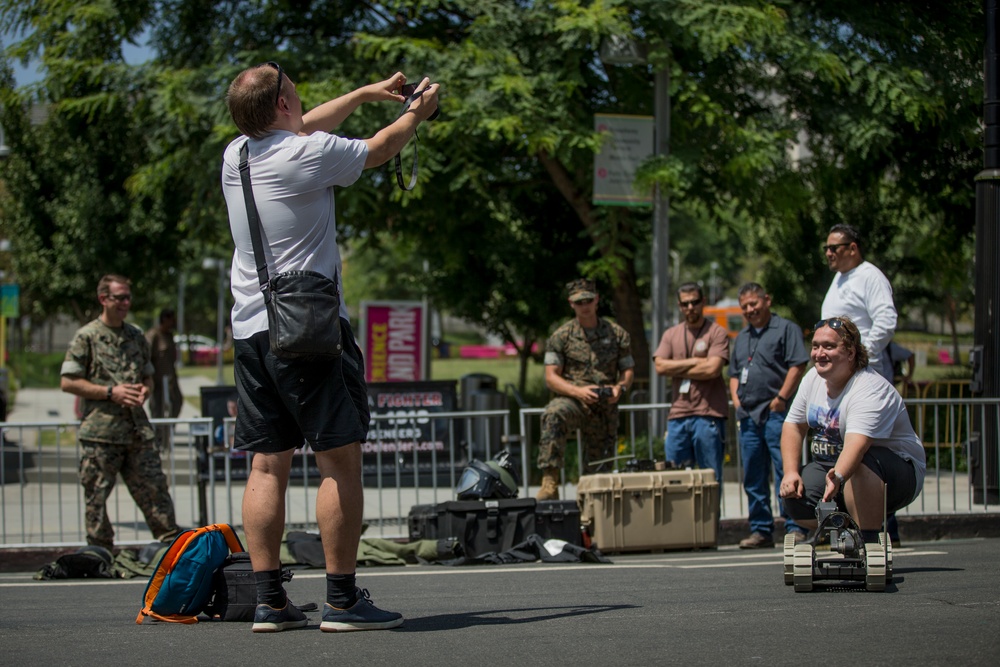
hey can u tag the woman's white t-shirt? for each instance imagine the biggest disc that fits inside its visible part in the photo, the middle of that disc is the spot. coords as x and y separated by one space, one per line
868 406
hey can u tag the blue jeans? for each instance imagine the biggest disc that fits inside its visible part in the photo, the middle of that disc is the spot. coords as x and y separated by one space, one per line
760 447
700 440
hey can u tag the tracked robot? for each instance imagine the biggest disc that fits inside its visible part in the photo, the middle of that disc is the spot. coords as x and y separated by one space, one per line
849 558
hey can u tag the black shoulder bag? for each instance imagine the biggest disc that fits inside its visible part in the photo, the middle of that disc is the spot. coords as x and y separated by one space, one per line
303 307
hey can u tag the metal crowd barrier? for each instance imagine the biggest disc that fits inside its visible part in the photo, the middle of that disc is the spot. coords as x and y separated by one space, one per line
41 501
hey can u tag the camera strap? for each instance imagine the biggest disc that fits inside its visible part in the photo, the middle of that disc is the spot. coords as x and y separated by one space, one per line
416 139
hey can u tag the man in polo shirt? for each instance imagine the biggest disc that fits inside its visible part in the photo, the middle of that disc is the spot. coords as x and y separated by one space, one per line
860 291
767 363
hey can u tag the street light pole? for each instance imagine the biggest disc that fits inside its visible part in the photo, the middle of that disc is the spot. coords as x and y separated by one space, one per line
619 50
220 319
220 313
660 289
984 446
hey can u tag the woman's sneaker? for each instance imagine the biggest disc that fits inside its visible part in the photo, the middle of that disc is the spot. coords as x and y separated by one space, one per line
269 619
363 615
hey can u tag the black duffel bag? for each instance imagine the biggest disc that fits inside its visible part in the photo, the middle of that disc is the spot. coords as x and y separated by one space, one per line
234 590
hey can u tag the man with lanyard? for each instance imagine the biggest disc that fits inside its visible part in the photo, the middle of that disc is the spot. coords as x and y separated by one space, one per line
693 354
583 357
768 361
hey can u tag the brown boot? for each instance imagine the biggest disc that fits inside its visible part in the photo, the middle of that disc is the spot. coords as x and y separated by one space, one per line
550 485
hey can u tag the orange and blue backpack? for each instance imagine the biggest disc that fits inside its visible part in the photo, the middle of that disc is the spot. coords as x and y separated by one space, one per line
182 584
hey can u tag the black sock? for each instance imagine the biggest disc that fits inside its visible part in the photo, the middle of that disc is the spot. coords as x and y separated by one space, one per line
340 590
269 588
870 536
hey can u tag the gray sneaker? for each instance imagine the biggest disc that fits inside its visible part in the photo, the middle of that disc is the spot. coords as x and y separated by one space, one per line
757 540
363 615
269 619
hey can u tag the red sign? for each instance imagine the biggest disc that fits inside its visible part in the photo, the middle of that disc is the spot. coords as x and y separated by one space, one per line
394 336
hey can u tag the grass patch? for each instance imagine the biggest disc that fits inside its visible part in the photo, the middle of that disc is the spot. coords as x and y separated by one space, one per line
35 370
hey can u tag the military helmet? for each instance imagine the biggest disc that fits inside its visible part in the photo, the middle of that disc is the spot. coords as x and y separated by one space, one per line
496 478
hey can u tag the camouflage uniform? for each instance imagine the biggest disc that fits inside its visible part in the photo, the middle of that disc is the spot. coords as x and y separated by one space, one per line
117 439
163 354
595 356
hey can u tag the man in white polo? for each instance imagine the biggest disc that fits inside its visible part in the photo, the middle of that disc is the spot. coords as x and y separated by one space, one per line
861 292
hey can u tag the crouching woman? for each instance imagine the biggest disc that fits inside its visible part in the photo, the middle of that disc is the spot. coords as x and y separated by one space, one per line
863 444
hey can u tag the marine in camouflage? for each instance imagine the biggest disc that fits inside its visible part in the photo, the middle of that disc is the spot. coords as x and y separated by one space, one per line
117 439
108 356
587 357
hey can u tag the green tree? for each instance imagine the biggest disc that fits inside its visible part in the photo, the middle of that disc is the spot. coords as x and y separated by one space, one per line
885 113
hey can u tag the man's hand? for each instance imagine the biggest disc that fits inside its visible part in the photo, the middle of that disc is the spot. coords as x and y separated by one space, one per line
792 486
383 91
425 105
130 395
586 395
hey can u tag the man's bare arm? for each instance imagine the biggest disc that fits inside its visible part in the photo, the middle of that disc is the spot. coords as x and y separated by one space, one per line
673 367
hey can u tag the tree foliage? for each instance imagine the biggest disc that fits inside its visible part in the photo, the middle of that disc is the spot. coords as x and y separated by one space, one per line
787 117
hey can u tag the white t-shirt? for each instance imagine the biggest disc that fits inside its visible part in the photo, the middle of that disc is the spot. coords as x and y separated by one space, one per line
864 295
868 406
292 179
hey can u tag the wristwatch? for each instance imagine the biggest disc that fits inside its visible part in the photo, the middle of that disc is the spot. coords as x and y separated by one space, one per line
624 389
110 387
840 479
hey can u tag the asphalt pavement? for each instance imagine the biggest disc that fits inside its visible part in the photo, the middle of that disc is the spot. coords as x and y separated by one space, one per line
710 607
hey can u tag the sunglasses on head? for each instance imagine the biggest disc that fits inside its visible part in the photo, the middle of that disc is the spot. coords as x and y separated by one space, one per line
834 323
277 90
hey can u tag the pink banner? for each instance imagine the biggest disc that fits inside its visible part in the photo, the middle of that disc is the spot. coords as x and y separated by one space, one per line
393 341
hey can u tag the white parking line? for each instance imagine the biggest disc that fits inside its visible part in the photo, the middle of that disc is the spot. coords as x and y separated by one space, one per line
667 563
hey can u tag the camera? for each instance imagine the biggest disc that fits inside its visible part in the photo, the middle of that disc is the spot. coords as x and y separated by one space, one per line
407 91
604 393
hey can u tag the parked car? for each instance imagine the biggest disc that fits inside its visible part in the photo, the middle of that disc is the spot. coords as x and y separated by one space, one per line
197 350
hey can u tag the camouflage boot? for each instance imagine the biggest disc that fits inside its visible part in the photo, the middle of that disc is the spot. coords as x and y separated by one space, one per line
550 485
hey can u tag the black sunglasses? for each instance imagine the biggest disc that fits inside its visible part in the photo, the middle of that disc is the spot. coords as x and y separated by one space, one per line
834 323
583 302
277 90
689 304
833 246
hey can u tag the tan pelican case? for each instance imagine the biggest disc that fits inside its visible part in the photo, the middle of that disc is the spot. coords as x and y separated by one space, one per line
650 511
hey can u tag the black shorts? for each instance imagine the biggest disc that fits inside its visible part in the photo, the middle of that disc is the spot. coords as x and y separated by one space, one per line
898 474
283 404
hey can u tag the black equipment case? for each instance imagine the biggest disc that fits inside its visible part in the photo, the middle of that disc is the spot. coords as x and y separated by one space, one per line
482 526
558 520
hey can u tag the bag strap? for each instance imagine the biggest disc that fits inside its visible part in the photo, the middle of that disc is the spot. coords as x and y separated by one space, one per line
253 217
